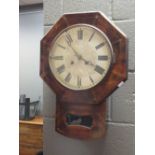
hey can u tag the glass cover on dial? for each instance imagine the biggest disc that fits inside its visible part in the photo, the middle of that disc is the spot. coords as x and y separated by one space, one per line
80 56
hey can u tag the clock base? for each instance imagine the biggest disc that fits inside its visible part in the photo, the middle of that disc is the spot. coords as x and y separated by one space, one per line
82 121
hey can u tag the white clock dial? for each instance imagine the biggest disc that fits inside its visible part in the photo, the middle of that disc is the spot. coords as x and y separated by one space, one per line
80 57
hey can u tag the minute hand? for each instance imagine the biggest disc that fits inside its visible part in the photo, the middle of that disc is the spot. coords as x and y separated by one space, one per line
75 52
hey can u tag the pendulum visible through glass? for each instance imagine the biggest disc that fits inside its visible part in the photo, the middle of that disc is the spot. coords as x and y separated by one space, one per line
79 120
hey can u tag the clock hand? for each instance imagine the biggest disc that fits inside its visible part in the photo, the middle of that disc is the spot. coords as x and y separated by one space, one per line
81 58
90 63
87 62
75 52
69 41
78 55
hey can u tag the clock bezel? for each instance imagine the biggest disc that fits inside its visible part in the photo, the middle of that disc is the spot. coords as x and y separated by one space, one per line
109 45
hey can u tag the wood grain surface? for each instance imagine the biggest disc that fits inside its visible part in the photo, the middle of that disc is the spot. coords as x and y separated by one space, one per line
91 101
31 136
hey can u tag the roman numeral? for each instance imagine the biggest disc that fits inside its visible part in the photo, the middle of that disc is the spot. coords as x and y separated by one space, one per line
102 57
61 46
68 77
57 57
80 34
69 39
78 81
99 69
92 81
92 35
61 69
100 45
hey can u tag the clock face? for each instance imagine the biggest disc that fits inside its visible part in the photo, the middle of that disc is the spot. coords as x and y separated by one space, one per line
80 56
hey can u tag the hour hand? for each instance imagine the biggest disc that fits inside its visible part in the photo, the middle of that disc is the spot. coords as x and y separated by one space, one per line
90 63
87 62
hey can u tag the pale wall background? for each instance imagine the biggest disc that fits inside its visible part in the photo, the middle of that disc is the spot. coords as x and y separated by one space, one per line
30 34
119 139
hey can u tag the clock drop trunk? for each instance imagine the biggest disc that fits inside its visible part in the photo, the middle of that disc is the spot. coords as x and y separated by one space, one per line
82 121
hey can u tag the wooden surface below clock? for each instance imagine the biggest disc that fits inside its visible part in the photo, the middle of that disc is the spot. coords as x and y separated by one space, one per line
31 136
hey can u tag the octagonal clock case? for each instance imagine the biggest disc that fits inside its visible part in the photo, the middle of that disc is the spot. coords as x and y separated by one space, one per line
83 60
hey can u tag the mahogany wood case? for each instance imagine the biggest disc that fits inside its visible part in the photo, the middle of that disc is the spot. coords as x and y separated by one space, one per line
90 102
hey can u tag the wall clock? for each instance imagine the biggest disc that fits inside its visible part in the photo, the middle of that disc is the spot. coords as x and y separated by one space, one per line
83 60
